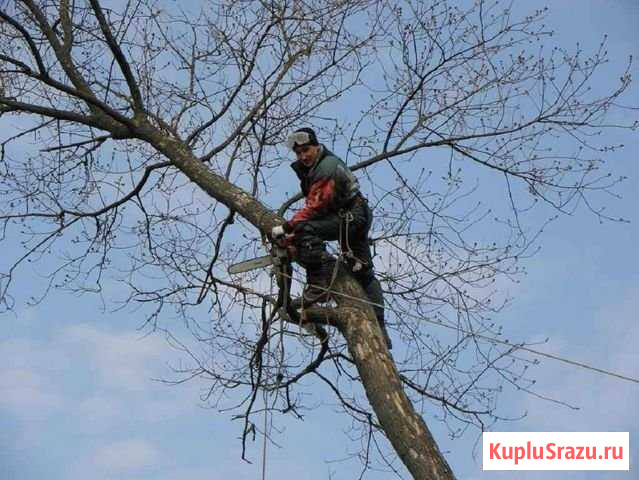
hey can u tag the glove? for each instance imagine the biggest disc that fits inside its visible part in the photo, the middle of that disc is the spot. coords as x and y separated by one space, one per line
278 232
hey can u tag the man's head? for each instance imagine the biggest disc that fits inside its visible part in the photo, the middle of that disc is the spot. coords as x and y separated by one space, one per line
305 145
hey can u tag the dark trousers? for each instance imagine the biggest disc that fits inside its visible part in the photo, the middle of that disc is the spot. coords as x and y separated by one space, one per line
351 230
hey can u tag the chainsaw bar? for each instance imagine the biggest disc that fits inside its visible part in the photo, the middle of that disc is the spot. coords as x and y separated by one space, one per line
252 264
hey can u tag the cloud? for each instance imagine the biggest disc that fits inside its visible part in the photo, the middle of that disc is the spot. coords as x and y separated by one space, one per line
97 414
193 474
123 459
101 381
25 376
27 392
126 456
604 401
123 361
84 398
123 391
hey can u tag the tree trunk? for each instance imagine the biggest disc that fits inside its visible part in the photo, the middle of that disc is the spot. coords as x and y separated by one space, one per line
403 426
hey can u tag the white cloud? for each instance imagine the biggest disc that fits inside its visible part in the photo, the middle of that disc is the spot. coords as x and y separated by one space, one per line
27 392
100 380
194 474
126 456
605 402
123 361
25 376
125 365
97 414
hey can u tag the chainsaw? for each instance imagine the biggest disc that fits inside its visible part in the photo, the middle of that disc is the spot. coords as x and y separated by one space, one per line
280 254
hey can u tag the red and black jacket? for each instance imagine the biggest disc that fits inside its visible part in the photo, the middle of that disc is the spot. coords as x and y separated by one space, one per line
328 186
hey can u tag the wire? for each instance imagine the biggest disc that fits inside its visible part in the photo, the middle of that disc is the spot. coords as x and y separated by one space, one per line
485 337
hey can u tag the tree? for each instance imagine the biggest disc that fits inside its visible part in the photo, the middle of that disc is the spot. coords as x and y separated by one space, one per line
159 131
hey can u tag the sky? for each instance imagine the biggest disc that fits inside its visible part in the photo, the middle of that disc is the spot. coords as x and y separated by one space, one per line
79 395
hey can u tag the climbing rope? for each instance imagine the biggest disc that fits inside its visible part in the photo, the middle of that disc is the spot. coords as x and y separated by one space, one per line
265 391
281 272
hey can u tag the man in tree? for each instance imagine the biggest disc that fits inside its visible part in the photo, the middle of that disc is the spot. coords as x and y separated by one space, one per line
335 209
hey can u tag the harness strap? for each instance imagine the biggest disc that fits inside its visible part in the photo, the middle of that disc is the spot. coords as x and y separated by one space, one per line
347 216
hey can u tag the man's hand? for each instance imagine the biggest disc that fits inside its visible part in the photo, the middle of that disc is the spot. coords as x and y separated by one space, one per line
278 232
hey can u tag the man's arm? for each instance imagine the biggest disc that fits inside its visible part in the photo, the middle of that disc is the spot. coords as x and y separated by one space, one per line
318 200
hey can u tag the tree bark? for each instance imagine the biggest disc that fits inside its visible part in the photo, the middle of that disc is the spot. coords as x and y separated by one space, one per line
403 426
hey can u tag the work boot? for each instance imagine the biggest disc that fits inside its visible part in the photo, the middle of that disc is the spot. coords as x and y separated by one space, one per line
318 281
374 292
382 326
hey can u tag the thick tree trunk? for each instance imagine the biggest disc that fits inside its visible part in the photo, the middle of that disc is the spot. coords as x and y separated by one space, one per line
403 426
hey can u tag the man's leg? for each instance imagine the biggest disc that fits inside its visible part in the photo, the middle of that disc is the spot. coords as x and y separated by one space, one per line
373 289
357 236
318 263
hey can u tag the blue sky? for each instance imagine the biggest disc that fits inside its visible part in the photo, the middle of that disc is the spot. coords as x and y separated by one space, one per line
79 398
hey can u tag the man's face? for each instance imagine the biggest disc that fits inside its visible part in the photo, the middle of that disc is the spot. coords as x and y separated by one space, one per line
307 154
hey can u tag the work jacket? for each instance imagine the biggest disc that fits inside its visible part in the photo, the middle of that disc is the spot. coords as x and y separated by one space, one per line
328 186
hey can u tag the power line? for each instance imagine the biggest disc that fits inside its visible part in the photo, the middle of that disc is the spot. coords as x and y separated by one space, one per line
493 340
